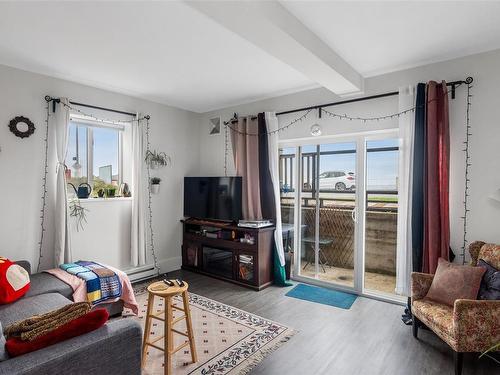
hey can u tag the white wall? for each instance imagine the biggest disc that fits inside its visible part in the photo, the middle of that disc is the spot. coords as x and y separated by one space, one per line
484 215
173 131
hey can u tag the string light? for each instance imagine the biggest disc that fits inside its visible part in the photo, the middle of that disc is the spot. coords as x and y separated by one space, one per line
150 209
44 188
467 168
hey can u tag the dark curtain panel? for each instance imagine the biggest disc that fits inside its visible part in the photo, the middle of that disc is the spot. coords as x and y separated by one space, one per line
266 185
417 219
436 181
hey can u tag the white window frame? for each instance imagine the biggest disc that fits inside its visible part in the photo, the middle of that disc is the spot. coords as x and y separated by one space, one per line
90 125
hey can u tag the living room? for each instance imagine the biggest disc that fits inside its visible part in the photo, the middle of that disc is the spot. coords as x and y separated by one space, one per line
249 187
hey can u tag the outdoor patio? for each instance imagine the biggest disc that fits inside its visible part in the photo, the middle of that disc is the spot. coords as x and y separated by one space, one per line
376 282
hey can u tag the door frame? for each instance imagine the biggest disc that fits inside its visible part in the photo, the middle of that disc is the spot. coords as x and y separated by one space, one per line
360 139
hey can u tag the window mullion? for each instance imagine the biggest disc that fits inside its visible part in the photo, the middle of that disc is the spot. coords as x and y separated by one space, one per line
90 156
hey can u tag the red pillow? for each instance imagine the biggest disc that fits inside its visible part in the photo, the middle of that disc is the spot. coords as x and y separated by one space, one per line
453 281
14 281
86 323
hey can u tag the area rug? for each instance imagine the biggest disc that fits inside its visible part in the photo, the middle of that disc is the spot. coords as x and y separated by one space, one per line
228 340
322 295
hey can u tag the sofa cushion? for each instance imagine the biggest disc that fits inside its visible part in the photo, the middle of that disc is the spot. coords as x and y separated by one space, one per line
29 306
3 353
453 281
490 284
42 283
436 316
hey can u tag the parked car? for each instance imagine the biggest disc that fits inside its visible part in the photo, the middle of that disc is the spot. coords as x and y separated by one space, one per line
337 180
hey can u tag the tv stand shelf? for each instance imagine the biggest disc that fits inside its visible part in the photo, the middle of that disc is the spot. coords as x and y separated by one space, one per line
249 264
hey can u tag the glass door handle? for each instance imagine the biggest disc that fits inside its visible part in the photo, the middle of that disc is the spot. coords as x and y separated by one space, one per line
353 214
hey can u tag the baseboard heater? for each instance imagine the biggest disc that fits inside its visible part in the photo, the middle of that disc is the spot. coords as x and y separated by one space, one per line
141 273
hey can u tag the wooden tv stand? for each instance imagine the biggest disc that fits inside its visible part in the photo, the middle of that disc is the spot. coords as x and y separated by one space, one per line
226 257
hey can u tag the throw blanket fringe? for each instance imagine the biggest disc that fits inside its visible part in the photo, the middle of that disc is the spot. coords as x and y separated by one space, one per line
39 325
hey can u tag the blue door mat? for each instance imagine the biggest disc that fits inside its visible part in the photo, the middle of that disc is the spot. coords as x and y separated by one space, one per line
322 295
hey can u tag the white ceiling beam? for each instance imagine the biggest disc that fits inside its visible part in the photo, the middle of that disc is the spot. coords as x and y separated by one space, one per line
269 26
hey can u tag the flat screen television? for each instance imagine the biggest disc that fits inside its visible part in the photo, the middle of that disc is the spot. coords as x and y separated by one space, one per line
217 198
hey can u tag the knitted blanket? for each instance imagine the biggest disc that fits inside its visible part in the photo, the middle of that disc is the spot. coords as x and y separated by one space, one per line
39 325
102 283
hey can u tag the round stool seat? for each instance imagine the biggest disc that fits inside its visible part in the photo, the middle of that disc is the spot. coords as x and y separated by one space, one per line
161 289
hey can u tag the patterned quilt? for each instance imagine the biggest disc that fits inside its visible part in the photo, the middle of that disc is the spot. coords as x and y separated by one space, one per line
102 283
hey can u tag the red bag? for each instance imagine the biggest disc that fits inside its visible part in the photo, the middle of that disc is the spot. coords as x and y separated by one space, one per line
14 281
86 323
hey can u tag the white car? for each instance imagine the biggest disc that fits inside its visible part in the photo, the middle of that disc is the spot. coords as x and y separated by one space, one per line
337 180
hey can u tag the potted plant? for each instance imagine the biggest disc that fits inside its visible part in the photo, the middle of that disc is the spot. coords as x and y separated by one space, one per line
157 159
155 185
77 211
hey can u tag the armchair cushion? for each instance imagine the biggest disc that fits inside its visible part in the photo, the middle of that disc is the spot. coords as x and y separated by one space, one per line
436 316
452 282
490 284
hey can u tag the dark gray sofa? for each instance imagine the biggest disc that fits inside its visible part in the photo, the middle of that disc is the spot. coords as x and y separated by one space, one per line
112 349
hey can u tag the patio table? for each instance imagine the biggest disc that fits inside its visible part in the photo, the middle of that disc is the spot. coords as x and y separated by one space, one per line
311 241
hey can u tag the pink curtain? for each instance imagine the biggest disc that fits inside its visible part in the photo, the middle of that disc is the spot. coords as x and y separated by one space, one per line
246 161
436 184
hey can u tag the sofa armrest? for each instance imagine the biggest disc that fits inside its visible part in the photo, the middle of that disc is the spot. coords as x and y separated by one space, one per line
476 324
420 284
112 349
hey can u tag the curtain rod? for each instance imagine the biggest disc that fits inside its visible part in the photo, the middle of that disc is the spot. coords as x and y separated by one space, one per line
453 85
57 100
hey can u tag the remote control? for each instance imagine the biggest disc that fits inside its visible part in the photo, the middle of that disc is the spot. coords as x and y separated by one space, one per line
180 282
168 282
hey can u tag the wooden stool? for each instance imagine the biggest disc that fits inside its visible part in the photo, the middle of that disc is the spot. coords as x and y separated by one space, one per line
162 290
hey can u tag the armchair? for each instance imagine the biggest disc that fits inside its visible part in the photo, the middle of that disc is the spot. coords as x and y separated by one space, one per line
468 326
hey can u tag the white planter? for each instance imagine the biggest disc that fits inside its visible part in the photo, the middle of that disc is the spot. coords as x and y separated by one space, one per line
155 188
154 165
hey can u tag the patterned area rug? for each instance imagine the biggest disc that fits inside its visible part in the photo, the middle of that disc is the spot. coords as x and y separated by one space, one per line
228 340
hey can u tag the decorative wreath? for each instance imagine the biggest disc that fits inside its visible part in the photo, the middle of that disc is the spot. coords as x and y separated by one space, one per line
19 133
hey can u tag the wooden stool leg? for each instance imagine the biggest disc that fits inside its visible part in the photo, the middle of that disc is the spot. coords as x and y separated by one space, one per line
147 328
189 325
169 336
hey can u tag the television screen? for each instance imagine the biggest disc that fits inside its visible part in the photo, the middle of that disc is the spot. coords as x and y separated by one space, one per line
216 198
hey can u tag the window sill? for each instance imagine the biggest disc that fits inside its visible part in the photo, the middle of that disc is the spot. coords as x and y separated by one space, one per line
97 200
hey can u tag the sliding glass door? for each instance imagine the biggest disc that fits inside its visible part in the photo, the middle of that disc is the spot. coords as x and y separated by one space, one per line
381 216
327 206
339 210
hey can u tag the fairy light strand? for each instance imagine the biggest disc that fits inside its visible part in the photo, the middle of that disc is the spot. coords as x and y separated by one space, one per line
44 188
150 208
467 171
344 116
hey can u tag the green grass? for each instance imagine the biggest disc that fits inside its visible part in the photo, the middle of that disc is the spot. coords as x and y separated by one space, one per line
383 199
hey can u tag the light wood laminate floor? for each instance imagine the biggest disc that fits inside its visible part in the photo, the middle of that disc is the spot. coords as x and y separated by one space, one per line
367 339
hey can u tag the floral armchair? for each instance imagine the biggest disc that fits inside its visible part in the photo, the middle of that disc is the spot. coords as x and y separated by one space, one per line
468 326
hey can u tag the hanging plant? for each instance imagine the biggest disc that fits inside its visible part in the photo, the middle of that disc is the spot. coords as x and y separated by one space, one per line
77 211
157 159
155 184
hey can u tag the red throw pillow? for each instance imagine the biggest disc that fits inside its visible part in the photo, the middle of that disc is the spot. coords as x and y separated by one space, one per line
86 323
14 281
453 281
